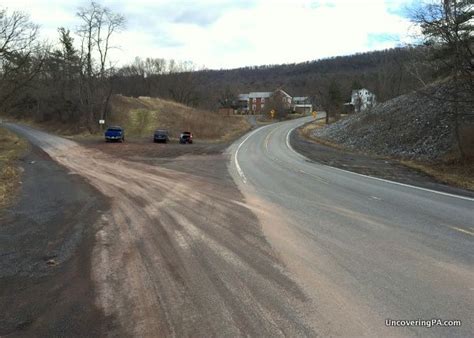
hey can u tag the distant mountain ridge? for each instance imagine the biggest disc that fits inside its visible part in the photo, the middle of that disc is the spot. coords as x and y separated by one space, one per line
385 72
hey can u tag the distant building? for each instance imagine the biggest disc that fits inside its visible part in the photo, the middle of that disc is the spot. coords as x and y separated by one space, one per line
257 101
361 100
301 104
243 103
254 102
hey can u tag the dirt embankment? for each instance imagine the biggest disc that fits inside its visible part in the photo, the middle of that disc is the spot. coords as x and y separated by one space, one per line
141 116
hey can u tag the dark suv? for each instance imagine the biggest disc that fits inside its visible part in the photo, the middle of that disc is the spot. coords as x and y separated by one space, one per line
115 134
186 137
161 135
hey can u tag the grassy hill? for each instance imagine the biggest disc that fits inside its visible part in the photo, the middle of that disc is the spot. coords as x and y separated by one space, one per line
141 116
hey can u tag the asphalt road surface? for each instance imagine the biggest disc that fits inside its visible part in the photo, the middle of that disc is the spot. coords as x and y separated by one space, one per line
301 250
365 250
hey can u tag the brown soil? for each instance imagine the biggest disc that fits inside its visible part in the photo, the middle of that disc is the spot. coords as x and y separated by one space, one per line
179 254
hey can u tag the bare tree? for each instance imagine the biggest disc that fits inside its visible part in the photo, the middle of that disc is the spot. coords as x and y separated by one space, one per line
227 98
181 82
98 25
447 27
21 56
447 31
107 23
331 99
279 104
182 88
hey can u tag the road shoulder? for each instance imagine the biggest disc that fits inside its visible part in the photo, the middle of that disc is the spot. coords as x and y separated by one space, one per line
46 240
384 168
12 148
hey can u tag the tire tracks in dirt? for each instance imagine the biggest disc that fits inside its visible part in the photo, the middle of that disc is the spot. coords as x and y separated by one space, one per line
180 254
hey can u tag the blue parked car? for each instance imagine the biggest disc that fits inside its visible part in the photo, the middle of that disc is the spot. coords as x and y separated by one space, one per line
115 134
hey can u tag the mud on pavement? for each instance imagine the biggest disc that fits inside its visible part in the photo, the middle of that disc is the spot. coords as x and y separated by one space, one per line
179 253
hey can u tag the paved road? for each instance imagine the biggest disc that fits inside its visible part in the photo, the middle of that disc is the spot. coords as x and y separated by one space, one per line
365 250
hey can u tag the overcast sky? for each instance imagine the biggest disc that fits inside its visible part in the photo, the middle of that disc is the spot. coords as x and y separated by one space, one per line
229 34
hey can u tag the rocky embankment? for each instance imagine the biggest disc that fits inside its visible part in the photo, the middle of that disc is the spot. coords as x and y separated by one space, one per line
418 125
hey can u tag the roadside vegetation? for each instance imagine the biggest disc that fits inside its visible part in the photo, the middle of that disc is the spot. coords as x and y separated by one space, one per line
452 171
11 149
432 128
72 82
141 116
456 172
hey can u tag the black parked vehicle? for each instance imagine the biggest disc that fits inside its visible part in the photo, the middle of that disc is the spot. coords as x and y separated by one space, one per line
161 135
115 134
186 137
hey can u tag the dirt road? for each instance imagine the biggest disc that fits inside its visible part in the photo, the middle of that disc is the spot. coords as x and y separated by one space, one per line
178 253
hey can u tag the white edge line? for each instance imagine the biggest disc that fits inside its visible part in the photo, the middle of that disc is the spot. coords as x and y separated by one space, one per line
237 165
375 178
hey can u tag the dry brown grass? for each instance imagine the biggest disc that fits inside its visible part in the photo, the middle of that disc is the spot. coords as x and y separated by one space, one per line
460 174
456 173
308 128
141 116
307 132
11 148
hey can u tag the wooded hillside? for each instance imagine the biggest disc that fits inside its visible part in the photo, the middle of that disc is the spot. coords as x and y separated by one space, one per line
388 73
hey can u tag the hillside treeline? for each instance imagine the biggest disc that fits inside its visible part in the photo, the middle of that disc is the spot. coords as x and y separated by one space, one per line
73 80
388 73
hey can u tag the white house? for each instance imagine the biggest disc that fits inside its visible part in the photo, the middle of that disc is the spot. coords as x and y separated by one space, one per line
362 99
301 104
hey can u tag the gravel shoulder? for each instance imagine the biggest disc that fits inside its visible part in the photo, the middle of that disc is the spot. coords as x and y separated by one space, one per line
370 165
46 240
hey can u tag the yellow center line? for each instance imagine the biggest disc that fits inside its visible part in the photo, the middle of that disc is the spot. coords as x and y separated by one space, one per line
294 169
462 230
267 139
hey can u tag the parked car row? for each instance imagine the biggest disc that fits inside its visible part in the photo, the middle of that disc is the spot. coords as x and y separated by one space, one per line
117 133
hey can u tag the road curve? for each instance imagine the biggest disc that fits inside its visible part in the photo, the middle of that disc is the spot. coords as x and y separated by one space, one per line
365 250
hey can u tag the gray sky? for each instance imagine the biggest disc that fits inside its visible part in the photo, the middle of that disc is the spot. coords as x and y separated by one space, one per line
228 34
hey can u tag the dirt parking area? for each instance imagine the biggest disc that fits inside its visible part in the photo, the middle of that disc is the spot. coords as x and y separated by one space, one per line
144 148
178 253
